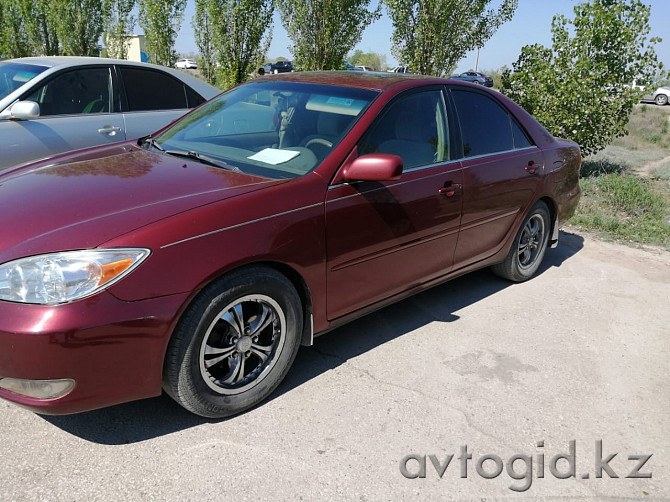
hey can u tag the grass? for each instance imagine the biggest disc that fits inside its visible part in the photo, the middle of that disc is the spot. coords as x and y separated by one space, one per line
617 201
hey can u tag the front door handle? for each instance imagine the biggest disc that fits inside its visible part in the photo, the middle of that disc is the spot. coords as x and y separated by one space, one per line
109 130
450 189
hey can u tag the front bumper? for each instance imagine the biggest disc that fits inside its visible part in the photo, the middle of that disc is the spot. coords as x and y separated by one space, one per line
113 350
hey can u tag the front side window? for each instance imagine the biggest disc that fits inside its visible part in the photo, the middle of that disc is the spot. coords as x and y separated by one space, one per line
412 127
75 92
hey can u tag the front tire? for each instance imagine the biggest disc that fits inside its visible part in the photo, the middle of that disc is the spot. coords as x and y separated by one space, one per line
529 246
234 344
661 100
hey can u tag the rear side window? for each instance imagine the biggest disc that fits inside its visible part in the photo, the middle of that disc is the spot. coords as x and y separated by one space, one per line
152 90
486 127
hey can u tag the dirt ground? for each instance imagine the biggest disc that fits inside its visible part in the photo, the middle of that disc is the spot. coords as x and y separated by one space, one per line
542 390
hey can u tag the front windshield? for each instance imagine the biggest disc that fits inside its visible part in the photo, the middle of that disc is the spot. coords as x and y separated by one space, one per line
272 129
14 75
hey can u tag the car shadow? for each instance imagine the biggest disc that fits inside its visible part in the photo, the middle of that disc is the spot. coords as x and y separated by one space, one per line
150 418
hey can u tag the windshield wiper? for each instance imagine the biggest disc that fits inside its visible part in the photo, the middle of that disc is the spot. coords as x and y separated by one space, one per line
150 142
203 159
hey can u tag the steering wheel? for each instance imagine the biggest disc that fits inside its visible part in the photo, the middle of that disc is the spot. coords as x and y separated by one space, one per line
319 141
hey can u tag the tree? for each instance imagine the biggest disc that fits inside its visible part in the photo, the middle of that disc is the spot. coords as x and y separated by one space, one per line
79 24
372 59
120 24
40 25
431 36
581 88
236 33
14 41
203 34
161 20
324 31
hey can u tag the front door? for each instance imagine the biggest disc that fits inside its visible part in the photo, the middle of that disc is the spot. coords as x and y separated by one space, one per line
386 237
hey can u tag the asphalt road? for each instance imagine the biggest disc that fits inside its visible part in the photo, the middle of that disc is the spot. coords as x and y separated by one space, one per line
477 367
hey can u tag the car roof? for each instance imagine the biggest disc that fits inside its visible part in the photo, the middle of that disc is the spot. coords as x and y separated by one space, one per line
373 80
60 62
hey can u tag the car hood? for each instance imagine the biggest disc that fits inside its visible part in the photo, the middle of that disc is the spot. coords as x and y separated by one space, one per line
88 198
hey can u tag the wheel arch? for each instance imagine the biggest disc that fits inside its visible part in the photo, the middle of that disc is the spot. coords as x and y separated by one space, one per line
294 277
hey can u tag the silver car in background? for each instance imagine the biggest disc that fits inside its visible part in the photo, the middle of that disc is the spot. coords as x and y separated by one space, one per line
660 96
51 105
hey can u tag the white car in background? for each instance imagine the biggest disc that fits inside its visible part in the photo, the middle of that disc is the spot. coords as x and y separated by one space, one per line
660 96
186 64
50 105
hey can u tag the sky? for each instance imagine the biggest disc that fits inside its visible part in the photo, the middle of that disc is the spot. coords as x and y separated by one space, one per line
531 24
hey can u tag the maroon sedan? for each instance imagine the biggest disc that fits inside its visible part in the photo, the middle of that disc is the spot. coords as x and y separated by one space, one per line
198 260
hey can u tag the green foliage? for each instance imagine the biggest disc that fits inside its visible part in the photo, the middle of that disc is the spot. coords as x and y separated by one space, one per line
580 88
51 27
79 24
372 59
202 31
324 31
624 207
161 20
119 25
39 21
431 36
233 37
14 42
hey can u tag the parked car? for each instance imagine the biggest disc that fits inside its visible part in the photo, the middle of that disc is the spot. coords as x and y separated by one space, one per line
474 78
349 67
186 64
364 68
660 96
197 260
400 69
278 67
50 105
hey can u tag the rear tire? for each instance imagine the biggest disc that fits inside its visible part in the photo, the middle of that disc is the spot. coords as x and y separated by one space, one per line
661 100
529 246
234 344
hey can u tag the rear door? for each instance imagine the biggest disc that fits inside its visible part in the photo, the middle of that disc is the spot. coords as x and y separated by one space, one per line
501 174
386 237
152 99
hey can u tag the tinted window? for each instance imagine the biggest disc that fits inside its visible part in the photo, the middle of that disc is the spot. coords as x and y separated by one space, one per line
414 128
152 90
73 92
485 125
520 138
194 99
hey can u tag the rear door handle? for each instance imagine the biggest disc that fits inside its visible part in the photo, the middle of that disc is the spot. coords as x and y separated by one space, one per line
109 130
450 189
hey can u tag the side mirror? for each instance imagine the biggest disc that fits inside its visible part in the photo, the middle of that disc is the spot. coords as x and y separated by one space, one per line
374 167
23 110
261 71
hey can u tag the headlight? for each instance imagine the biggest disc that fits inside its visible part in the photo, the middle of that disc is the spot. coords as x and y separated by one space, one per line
50 279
